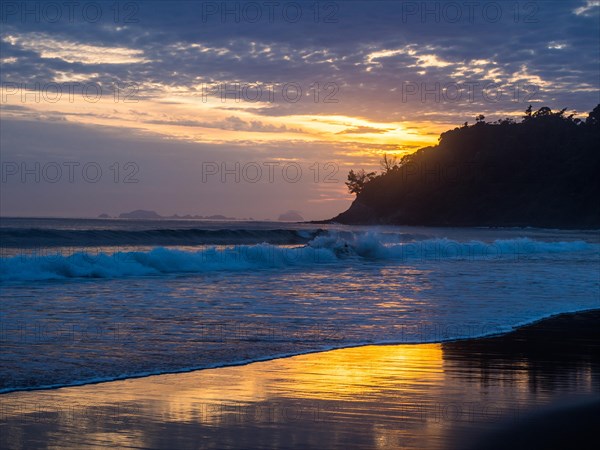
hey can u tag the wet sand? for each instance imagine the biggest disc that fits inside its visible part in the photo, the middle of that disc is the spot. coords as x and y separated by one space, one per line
537 387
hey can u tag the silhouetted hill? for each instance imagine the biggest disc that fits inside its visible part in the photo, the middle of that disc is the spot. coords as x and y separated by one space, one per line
542 171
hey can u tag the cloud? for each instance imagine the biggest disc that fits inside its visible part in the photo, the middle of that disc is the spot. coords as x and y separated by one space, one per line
362 53
364 130
363 60
74 52
589 9
230 123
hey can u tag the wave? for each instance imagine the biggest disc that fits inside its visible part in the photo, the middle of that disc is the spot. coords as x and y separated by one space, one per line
40 237
328 248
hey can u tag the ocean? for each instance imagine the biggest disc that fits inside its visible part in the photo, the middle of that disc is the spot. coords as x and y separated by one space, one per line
89 300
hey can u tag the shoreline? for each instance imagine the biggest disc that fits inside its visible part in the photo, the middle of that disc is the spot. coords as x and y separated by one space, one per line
516 328
436 396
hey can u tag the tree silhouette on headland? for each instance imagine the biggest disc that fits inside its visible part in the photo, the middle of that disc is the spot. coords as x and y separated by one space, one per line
357 180
541 171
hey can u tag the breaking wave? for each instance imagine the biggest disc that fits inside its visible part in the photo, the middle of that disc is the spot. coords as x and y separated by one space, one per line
325 248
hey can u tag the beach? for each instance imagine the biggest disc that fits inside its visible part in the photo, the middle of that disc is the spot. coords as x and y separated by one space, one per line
495 392
299 225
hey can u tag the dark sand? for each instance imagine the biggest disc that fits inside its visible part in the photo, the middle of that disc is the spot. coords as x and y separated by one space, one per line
537 387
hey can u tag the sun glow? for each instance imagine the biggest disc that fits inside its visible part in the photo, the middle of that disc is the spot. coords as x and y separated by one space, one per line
204 119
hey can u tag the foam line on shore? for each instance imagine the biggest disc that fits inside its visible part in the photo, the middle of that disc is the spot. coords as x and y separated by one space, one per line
245 362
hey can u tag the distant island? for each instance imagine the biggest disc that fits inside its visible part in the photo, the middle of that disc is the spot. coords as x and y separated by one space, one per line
140 214
543 171
144 214
291 216
151 215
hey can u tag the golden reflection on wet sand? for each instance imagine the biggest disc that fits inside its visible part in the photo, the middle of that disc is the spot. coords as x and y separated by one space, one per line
391 396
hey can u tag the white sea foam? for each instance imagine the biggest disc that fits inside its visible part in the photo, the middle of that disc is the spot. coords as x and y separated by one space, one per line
329 248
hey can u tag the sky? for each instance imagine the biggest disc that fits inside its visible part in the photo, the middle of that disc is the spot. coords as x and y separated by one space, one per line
252 109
